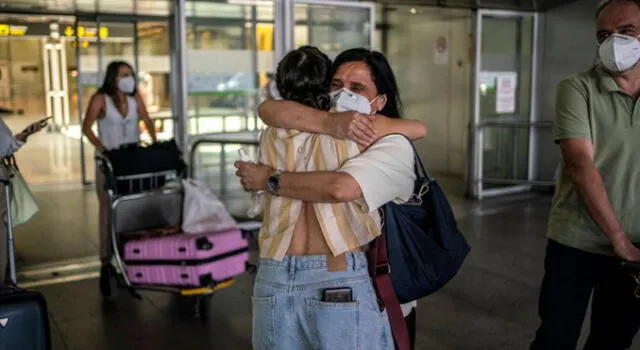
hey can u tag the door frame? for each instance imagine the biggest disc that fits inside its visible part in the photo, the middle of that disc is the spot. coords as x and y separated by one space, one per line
475 178
56 85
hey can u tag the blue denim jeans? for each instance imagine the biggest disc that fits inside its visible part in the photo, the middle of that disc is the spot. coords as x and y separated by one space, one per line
289 314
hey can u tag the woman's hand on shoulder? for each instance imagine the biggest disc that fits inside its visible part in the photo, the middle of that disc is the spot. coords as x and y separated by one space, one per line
354 126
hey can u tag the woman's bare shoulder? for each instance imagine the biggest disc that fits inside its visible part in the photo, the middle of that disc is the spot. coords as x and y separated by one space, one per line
97 97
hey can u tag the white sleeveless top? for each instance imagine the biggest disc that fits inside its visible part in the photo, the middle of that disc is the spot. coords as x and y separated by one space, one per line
115 131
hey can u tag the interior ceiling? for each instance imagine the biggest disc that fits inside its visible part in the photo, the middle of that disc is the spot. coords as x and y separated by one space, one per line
521 5
163 7
121 7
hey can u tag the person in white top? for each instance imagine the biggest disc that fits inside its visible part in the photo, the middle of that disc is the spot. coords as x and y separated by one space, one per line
117 108
382 173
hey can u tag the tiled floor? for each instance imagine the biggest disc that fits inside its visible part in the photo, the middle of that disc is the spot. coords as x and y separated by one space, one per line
491 304
66 226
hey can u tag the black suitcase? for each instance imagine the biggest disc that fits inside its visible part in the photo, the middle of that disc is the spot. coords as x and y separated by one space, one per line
24 321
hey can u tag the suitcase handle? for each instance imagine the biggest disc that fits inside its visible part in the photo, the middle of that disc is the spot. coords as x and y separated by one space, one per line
203 243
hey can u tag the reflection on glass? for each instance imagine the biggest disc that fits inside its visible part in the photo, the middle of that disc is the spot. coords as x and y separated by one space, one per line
332 28
230 54
505 74
505 153
213 165
153 76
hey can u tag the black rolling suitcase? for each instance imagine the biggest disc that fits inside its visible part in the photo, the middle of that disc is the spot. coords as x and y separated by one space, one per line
24 322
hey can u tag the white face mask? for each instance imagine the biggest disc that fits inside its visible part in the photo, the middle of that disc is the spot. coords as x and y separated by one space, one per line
619 53
127 84
346 100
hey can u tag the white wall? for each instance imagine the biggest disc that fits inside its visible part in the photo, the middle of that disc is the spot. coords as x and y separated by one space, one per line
438 94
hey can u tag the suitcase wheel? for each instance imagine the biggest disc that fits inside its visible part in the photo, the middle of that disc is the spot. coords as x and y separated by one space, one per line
207 281
250 268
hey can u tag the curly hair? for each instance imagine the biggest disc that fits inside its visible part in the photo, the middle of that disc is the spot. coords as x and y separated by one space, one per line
304 76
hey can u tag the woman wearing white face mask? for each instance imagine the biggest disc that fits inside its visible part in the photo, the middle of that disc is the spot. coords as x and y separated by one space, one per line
117 108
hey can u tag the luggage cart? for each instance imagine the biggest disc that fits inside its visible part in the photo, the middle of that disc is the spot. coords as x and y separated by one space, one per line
153 208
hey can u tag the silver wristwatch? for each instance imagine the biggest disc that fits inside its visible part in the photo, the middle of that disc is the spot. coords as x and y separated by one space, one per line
273 182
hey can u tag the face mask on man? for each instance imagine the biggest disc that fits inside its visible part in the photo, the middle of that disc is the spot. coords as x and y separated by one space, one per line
619 53
346 100
127 84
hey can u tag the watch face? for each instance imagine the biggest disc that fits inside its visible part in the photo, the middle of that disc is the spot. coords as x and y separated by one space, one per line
273 183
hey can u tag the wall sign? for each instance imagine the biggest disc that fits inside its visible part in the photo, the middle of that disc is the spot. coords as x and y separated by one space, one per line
87 32
441 50
24 29
506 92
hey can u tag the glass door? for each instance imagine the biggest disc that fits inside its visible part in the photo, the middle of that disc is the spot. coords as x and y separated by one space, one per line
503 119
334 26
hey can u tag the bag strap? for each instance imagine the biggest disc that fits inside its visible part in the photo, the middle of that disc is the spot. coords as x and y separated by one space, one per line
420 170
379 271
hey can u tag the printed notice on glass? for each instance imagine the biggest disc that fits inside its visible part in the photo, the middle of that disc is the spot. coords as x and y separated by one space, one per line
506 92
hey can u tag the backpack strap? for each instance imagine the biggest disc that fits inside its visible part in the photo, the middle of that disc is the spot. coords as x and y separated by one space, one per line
387 299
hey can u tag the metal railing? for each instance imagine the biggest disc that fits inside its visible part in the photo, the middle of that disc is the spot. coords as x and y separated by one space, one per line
211 158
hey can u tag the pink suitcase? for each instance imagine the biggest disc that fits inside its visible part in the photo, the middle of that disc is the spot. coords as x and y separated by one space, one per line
187 259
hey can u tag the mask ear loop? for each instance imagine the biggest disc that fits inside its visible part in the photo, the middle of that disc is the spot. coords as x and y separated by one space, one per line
371 102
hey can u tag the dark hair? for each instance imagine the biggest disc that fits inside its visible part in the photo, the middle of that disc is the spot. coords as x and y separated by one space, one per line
382 75
605 3
304 76
110 85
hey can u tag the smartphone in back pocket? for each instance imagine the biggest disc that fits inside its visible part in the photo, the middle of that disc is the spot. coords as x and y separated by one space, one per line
337 295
